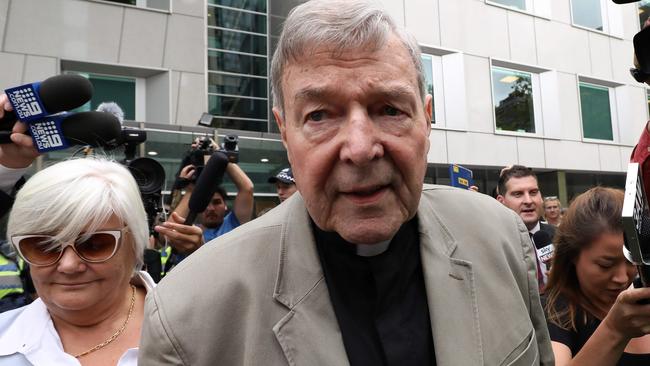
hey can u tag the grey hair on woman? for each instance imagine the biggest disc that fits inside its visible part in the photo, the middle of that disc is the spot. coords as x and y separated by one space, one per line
78 196
341 25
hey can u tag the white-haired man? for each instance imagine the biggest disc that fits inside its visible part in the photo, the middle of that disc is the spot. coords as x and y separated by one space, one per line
360 266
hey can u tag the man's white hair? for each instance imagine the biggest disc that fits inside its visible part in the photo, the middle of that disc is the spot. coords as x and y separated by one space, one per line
343 26
80 195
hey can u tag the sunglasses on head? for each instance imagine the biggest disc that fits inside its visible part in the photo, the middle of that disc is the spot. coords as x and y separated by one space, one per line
40 250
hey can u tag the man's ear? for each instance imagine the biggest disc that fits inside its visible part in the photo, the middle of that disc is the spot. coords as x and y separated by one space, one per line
282 126
500 198
428 111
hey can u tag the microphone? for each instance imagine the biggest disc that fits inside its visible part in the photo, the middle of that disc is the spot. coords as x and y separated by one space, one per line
544 246
97 129
113 108
206 184
37 100
636 225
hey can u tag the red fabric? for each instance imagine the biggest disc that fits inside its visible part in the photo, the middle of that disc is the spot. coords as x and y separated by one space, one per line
641 155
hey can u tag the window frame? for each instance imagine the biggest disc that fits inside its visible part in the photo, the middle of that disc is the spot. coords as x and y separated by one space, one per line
537 103
139 4
528 6
608 13
532 7
140 90
639 8
438 89
613 107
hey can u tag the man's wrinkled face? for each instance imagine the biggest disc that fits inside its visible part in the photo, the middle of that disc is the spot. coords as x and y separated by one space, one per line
523 197
356 131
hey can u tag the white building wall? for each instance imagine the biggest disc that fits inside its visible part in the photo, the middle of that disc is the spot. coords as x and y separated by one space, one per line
166 48
481 32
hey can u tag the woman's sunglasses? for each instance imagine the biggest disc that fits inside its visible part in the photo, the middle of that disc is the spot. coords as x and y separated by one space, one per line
41 250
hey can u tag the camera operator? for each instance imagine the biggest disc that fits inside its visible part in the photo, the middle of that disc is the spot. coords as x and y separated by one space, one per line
217 219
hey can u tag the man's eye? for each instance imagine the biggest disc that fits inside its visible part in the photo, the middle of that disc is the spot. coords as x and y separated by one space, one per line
392 111
316 116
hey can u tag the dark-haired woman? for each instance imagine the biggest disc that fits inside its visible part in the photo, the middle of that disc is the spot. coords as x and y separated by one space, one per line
593 316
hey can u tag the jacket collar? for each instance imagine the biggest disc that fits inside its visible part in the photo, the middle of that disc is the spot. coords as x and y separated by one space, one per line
300 286
451 291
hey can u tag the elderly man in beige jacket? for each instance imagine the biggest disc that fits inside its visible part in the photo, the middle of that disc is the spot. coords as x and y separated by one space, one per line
363 266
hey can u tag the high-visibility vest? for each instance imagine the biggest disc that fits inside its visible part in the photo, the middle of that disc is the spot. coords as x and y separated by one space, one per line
10 281
165 254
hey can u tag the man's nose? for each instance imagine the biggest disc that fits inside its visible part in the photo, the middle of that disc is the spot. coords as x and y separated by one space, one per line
361 139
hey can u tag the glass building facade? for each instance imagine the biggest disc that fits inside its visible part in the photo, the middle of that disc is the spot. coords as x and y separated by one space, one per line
238 91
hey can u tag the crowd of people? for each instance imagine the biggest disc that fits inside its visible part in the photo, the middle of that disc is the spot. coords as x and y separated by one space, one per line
363 265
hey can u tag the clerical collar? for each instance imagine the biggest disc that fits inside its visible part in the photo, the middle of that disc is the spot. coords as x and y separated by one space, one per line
371 250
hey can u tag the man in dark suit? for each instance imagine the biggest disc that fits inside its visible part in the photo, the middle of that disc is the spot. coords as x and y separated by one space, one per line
519 191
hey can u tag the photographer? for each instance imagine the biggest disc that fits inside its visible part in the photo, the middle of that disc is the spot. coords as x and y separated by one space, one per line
217 219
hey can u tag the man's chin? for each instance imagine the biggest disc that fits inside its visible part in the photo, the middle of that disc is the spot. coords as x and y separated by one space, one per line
367 232
212 224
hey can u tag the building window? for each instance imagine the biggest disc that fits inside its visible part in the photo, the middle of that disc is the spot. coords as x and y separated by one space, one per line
253 5
151 4
118 89
644 12
427 65
515 4
540 8
514 104
596 107
238 94
589 14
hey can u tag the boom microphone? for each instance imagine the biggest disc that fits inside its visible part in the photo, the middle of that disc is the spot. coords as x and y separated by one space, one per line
37 100
97 129
206 184
544 245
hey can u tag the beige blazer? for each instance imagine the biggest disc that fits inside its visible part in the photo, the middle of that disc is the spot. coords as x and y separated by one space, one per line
257 296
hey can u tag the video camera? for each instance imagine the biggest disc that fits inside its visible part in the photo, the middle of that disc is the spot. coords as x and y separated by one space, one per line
147 172
203 148
636 212
641 51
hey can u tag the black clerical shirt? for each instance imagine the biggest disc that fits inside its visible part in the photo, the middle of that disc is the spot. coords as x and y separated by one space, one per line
380 302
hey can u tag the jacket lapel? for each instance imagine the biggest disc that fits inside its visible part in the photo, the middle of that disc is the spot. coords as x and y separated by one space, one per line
309 334
451 293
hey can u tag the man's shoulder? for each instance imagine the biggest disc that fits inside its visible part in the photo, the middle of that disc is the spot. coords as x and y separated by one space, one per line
550 229
469 217
221 259
456 202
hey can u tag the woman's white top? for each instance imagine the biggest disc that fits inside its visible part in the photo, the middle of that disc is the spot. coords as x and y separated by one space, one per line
30 335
